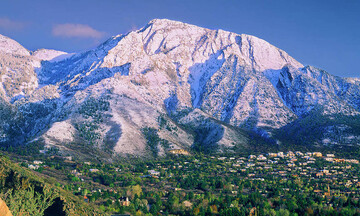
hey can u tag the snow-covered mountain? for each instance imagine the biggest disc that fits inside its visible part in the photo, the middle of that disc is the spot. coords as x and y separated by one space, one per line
8 45
182 84
50 55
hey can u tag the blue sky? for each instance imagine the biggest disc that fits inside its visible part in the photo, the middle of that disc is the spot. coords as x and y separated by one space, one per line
323 33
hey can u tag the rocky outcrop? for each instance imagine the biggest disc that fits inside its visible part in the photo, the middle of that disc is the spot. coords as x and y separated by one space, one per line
4 210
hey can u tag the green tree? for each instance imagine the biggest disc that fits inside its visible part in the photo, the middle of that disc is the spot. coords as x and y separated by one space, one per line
29 202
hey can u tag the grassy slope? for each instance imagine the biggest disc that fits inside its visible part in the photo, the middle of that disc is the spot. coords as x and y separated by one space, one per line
70 204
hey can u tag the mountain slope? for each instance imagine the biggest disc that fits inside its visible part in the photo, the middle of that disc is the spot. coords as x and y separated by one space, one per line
19 182
10 46
194 86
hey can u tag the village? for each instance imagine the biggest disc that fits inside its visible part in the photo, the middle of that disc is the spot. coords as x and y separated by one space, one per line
325 176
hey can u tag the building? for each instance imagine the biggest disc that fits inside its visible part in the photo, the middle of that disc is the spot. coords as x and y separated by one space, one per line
252 156
154 173
124 201
329 159
317 154
324 171
352 161
75 172
38 162
179 152
290 154
337 160
272 155
299 153
261 157
319 174
33 167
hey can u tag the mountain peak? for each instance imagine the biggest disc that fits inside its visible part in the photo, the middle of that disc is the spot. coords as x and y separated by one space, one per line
169 24
163 21
10 46
50 54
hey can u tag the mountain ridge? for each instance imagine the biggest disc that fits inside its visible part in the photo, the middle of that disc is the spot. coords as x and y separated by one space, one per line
199 81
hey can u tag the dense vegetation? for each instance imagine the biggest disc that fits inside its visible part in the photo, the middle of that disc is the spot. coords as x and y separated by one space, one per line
92 110
153 140
29 193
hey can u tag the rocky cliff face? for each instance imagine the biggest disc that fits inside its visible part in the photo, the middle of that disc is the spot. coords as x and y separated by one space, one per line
194 86
4 210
